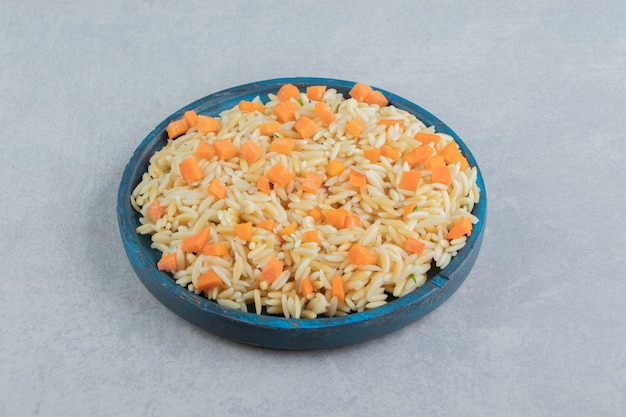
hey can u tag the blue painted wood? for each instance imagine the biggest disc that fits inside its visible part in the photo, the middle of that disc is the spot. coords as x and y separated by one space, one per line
271 331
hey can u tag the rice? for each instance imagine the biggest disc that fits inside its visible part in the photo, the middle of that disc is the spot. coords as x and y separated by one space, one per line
387 215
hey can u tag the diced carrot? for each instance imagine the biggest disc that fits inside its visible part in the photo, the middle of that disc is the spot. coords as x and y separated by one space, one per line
357 179
355 127
312 182
217 189
452 154
352 221
190 170
204 150
251 151
336 217
418 155
267 225
463 161
316 214
426 137
320 107
244 231
278 174
305 127
272 270
441 175
390 122
216 249
328 117
208 280
376 97
315 92
408 209
414 245
389 152
285 111
167 262
334 168
449 151
287 230
410 180
360 91
372 154
207 124
287 91
155 210
462 227
175 128
251 106
435 162
306 287
360 255
283 145
311 236
264 185
190 117
195 243
323 113
225 149
337 288
269 128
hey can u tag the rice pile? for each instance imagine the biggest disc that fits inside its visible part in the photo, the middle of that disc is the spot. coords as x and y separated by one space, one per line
388 214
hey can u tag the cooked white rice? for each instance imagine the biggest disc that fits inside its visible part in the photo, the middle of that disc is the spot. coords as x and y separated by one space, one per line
190 208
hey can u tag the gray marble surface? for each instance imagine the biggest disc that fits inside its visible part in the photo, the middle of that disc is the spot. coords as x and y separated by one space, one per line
537 91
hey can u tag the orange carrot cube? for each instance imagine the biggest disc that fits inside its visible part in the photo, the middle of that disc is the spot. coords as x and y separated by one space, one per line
462 227
337 288
215 249
225 149
251 151
305 127
311 236
287 91
357 179
190 117
167 262
360 255
206 124
426 138
283 145
315 92
418 155
355 127
312 182
360 91
334 168
208 280
285 111
410 180
217 189
269 128
278 174
190 170
441 175
176 128
251 106
244 231
272 270
204 150
414 245
376 97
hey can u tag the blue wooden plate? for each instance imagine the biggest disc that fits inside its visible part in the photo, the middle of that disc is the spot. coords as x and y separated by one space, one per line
272 331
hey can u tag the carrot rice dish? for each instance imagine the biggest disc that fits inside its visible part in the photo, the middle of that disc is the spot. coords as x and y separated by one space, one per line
309 204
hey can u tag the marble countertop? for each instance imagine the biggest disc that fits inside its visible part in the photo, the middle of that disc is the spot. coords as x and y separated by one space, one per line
535 89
